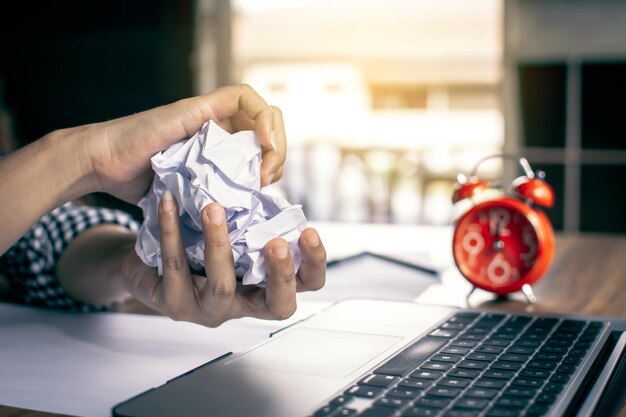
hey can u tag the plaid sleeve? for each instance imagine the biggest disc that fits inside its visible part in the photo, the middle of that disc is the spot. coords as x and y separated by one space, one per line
30 263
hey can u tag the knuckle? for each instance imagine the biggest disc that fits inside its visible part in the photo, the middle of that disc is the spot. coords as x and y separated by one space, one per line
174 263
283 312
245 88
213 322
318 283
286 278
277 111
223 290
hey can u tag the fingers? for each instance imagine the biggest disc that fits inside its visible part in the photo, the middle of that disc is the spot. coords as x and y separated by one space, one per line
280 291
312 273
177 289
219 293
226 102
274 157
141 281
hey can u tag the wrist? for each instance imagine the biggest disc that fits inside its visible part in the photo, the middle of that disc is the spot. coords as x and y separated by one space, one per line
67 154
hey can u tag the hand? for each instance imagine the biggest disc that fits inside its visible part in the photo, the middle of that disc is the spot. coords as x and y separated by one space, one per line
218 297
119 151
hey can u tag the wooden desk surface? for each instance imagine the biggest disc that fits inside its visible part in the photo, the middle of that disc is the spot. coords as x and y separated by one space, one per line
588 276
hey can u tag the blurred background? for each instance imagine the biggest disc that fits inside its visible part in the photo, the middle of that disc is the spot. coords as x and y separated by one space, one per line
385 102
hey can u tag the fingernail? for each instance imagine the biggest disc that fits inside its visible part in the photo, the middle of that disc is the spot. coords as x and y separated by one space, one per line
313 240
167 202
216 215
273 141
280 251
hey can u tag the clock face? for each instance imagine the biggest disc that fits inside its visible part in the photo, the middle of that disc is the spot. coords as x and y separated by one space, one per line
496 246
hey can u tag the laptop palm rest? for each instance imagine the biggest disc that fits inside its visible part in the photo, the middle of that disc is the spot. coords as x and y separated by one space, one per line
292 372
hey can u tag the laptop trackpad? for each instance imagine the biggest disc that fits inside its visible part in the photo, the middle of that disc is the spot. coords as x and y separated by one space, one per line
324 353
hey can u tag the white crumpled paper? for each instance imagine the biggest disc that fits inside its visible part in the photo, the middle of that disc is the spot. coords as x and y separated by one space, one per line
214 165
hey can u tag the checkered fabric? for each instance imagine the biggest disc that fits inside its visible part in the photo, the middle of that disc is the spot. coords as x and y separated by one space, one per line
29 264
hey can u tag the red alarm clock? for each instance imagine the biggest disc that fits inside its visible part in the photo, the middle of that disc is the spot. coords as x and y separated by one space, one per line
504 243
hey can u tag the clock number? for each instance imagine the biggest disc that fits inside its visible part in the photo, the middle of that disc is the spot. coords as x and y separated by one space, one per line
473 242
499 271
498 221
529 256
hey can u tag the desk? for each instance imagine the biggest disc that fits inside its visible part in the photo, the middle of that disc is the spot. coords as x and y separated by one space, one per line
588 276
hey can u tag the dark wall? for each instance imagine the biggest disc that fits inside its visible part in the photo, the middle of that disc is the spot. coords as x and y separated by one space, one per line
66 63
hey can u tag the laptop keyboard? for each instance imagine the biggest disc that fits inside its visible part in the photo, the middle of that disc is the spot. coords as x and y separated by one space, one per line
474 364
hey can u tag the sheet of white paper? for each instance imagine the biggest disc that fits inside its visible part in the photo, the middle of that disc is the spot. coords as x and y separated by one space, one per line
214 165
83 364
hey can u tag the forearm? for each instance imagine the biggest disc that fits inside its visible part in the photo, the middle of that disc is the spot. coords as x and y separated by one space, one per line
90 267
38 178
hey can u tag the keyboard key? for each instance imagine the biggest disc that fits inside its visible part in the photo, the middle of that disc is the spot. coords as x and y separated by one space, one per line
473 365
414 354
511 402
503 412
498 374
442 391
553 387
506 365
446 357
489 349
528 343
377 412
561 350
483 393
444 333
454 382
437 366
464 373
426 374
404 392
541 364
326 411
454 326
364 391
341 400
421 411
513 357
497 342
464 343
416 383
491 319
560 378
471 403
455 350
456 412
379 380
472 337
345 412
566 369
434 401
537 410
528 382
481 356
535 373
524 350
541 356
391 402
490 383
520 392
546 398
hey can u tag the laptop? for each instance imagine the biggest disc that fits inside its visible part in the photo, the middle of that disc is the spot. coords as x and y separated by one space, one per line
381 358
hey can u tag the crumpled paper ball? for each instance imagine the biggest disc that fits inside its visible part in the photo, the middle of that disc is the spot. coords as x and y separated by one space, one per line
214 165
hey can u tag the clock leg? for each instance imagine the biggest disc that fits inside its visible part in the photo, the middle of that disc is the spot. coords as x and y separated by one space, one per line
469 294
528 292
